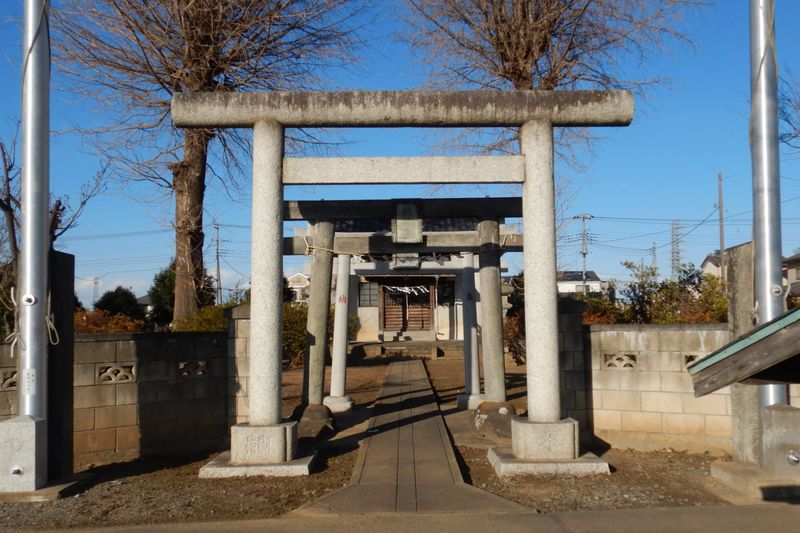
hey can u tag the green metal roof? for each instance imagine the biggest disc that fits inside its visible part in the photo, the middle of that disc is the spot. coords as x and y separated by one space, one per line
757 334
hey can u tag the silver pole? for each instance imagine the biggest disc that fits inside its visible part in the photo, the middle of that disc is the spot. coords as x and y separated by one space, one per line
35 201
766 175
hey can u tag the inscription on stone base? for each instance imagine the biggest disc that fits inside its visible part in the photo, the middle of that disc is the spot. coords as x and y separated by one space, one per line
252 445
544 440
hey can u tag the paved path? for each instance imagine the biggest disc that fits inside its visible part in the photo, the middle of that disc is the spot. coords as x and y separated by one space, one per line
407 463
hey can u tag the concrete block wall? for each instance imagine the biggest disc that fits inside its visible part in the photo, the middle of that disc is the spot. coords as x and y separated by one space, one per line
141 394
641 395
574 370
148 394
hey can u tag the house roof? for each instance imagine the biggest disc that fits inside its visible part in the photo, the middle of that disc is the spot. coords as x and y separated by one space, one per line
712 258
769 353
576 275
792 261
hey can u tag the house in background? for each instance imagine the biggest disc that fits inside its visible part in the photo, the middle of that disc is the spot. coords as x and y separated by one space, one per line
791 272
571 282
791 275
145 303
712 264
299 285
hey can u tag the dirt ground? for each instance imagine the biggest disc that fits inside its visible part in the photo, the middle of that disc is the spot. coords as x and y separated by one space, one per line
664 478
149 491
169 490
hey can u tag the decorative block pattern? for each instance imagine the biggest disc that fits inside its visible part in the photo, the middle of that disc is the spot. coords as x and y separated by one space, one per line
116 373
192 369
612 360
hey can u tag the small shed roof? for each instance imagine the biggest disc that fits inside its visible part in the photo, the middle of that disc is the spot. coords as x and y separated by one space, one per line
769 353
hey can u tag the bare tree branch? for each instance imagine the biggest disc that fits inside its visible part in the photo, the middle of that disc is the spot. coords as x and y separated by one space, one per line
62 218
541 45
129 57
789 110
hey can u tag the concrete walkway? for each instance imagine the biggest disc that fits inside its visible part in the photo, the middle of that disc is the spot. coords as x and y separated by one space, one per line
407 463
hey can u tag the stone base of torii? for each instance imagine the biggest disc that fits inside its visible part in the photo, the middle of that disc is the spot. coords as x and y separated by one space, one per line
540 437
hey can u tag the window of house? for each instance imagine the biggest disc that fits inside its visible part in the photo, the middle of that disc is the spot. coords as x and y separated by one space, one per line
368 294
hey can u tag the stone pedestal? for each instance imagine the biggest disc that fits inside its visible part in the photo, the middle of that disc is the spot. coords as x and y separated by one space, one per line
544 448
263 444
260 451
23 454
338 404
538 441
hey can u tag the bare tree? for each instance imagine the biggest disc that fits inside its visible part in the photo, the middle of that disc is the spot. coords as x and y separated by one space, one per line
63 217
131 56
541 44
789 111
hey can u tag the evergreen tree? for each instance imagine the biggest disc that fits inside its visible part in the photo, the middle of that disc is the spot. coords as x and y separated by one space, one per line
120 301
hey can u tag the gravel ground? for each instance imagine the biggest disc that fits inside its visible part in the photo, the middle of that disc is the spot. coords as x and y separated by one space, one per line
638 479
156 491
168 490
664 478
153 490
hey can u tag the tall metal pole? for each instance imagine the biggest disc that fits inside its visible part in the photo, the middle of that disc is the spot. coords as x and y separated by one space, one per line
766 175
722 261
35 200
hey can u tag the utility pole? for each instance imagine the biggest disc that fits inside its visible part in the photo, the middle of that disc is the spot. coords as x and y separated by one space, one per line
96 287
653 251
722 261
676 249
766 176
584 248
219 277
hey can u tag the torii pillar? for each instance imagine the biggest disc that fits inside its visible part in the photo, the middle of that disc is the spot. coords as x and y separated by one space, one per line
472 396
542 441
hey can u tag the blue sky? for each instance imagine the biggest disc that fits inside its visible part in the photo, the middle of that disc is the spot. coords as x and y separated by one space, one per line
663 167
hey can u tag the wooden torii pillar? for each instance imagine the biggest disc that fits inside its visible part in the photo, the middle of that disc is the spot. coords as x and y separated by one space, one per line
541 438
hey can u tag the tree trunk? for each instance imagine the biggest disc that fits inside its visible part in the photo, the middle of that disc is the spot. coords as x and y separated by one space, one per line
188 181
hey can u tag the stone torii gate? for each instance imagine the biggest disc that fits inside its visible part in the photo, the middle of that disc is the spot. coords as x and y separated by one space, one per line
407 236
266 445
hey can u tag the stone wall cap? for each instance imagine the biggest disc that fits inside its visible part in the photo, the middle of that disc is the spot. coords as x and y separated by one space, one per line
658 327
239 312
